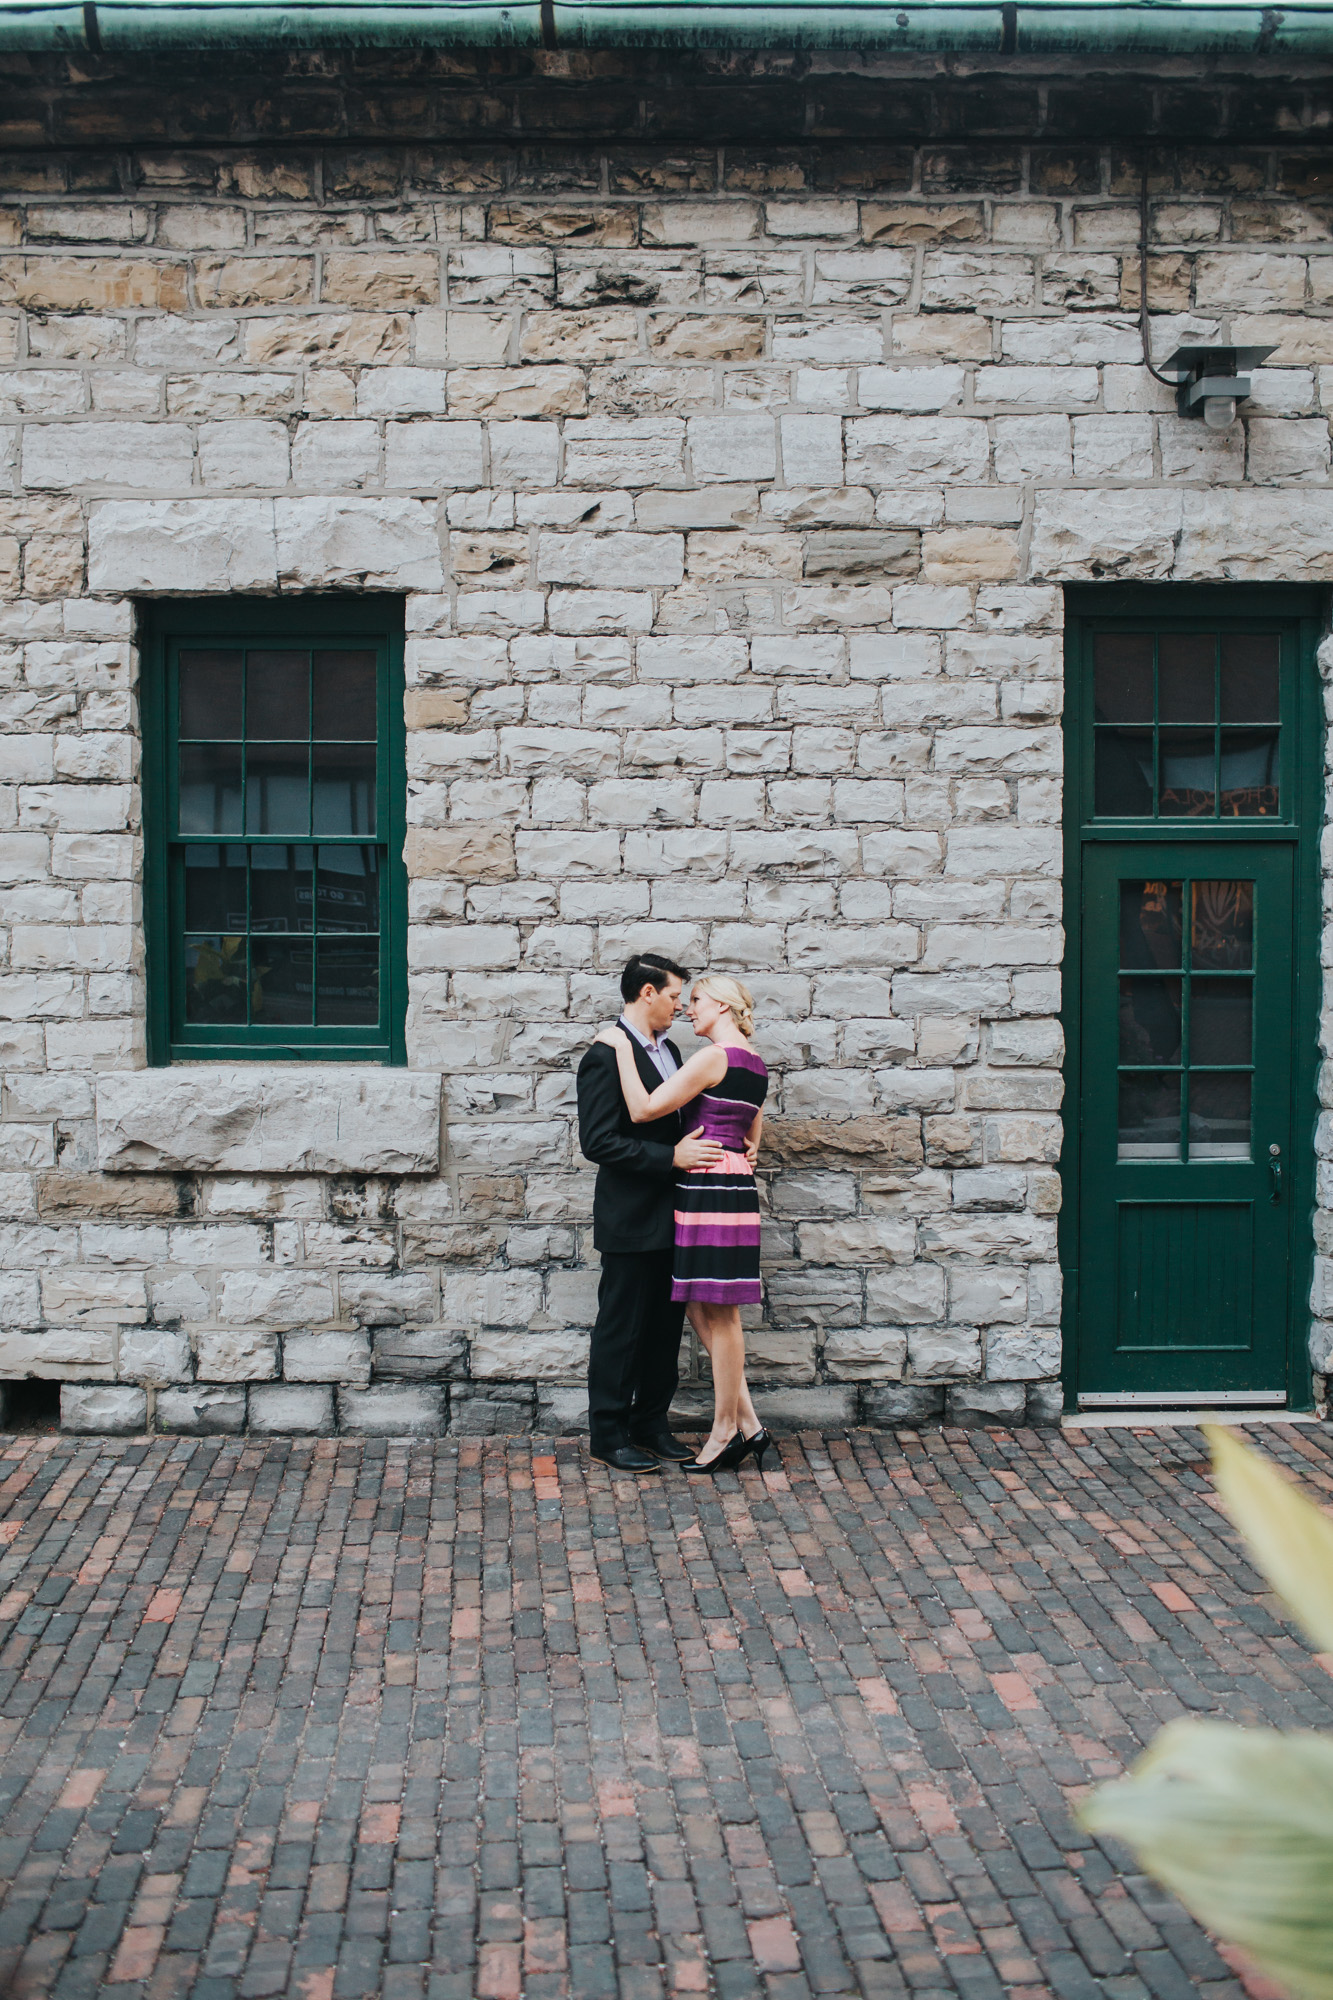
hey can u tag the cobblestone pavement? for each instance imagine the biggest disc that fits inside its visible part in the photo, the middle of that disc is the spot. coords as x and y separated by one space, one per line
340 1717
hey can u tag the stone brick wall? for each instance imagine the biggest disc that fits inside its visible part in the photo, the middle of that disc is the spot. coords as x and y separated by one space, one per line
731 510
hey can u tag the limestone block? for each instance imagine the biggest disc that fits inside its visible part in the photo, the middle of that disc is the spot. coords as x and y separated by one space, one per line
333 340
825 1407
393 1410
181 545
848 1142
85 1352
72 1295
1286 450
494 1298
235 1354
91 1411
697 224
1022 1353
561 1412
987 1294
429 455
979 1404
525 1354
1113 534
152 1354
199 1412
616 559
730 447
866 1353
910 451
253 1120
277 1410
939 1353
20 1298
419 1354
333 1356
906 1406
912 1294
387 1298
326 544
156 457
858 1240
1045 1403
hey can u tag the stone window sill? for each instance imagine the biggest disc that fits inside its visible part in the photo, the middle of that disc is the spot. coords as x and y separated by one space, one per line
248 1119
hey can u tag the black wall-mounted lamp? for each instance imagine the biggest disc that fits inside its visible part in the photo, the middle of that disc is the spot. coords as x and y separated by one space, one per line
1210 381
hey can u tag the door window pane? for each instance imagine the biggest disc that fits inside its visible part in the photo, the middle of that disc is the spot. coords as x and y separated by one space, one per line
277 695
1186 677
1222 926
1123 676
1249 773
1221 1029
1150 925
1149 1124
1150 1020
1187 773
1250 677
1123 784
1219 1116
210 694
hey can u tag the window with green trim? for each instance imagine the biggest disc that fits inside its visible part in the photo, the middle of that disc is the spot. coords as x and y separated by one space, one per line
274 803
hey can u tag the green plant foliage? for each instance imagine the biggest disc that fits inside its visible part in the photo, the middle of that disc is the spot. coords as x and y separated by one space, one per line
1239 1822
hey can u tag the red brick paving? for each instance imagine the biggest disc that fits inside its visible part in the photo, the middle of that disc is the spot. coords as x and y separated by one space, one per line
461 1722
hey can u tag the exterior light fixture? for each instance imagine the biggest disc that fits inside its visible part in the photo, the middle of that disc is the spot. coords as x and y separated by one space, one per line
1210 381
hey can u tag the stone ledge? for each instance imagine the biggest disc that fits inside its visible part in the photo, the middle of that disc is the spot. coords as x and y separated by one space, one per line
284 1119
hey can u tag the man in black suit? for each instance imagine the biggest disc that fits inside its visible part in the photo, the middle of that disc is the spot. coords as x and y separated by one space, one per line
635 1351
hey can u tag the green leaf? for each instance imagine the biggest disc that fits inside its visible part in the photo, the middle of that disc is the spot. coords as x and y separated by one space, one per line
1290 1538
1239 1824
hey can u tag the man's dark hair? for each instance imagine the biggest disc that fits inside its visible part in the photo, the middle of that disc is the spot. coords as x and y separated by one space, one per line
648 968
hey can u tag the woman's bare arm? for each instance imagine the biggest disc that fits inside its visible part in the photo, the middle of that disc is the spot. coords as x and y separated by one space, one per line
753 1136
705 1067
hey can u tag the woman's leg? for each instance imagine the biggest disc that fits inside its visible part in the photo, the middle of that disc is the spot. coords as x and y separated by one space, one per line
749 1420
726 1347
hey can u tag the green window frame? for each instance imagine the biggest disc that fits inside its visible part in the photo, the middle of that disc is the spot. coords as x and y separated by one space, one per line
275 890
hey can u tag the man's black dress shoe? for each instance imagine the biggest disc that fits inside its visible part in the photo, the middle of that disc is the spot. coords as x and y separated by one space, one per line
627 1458
664 1445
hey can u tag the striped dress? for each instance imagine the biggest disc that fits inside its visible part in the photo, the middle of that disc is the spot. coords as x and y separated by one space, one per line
717 1208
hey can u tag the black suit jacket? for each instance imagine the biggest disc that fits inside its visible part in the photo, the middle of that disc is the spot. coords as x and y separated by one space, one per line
633 1204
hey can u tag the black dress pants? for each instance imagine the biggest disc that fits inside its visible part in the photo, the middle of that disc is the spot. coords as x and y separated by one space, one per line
634 1358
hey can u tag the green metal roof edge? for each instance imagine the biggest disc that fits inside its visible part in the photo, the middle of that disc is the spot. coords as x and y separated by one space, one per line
907 26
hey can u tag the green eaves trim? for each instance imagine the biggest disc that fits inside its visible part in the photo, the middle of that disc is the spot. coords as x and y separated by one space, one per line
909 26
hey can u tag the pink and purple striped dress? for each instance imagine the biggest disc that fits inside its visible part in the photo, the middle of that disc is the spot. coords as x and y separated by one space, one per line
717 1208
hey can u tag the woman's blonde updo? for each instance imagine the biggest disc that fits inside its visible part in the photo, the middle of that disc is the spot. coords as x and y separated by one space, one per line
732 994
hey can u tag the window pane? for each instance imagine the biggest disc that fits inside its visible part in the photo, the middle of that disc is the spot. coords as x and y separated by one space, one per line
277 695
1124 773
344 788
282 981
349 982
1249 677
210 788
1149 1020
349 889
1249 773
280 888
215 980
277 796
1149 1117
1150 924
344 694
1219 1117
1220 1021
1123 675
1222 926
210 694
1185 678
1187 773
215 888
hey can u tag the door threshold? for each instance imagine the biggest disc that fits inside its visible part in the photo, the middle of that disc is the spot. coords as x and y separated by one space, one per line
1146 1418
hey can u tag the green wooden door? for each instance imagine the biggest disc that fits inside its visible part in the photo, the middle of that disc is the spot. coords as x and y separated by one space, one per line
1192 989
1187 984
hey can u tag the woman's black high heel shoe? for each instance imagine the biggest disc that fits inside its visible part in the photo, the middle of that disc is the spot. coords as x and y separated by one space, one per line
758 1445
727 1460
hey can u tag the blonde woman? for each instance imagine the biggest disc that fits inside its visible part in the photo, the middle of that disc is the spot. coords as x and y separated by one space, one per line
716 1263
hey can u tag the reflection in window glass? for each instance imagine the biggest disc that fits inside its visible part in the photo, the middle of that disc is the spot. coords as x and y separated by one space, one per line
1219 1115
1187 782
1249 677
277 696
1149 1120
210 788
344 688
210 694
1221 926
277 788
1150 1017
1151 924
1123 670
1186 677
1123 778
1170 716
344 789
216 980
1221 1029
1249 773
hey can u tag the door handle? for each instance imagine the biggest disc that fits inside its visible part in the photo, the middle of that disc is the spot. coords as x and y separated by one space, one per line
1275 1173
